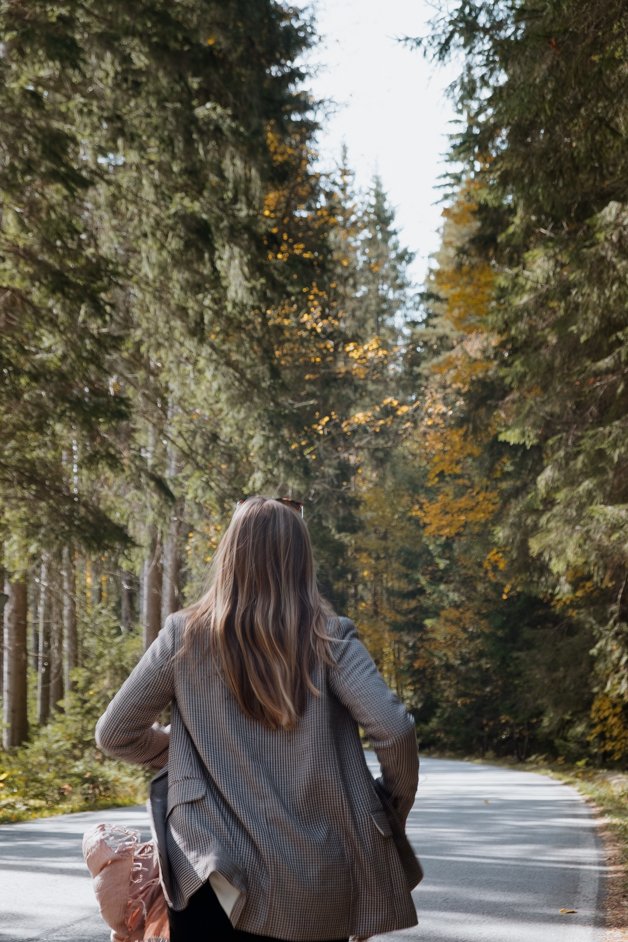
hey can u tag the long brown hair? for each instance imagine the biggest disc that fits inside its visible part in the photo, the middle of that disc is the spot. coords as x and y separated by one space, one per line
263 612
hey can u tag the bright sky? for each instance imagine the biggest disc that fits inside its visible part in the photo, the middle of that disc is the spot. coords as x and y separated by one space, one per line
390 107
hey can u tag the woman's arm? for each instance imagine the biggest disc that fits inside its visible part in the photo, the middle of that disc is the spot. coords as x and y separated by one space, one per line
359 686
128 728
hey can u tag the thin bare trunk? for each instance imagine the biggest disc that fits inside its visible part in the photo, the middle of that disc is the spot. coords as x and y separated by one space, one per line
43 675
33 607
127 599
3 600
152 589
171 593
83 608
70 636
56 643
152 570
15 717
96 573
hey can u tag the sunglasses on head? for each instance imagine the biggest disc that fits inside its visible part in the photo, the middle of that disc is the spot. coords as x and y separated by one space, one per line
295 505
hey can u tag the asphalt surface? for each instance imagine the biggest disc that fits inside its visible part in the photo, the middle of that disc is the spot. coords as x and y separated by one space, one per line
503 851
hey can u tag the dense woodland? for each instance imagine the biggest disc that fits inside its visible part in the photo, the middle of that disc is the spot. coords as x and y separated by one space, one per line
191 312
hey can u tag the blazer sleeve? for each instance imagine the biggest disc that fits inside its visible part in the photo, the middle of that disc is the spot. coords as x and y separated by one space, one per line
358 685
128 729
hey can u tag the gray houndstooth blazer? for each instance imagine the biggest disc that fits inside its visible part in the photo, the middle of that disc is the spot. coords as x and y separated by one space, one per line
291 819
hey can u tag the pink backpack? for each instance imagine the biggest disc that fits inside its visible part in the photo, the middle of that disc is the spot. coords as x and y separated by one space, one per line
126 883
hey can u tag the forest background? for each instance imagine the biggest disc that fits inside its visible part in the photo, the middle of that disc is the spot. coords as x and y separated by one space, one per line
191 311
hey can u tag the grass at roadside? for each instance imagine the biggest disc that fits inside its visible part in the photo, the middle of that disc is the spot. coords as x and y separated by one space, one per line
608 792
25 810
20 801
52 775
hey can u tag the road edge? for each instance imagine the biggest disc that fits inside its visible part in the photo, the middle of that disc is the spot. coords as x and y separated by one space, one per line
613 898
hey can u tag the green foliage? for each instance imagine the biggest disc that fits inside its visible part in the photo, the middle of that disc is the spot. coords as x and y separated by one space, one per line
57 322
530 375
191 313
61 770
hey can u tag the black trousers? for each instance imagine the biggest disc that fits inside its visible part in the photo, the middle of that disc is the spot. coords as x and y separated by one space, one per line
204 920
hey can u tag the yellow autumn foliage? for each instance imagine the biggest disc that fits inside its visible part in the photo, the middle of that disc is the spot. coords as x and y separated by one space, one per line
609 732
460 497
461 369
467 291
450 635
448 448
494 563
449 512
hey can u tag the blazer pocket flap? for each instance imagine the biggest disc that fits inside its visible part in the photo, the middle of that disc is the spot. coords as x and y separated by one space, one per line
185 789
381 822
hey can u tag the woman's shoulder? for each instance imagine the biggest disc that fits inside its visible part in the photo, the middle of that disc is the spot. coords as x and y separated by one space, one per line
175 622
188 640
174 627
341 628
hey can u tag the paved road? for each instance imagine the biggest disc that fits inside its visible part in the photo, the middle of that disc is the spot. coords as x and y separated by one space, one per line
503 853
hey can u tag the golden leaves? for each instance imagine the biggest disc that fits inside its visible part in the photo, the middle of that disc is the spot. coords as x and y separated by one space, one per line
493 564
380 416
450 634
449 513
609 728
467 291
448 448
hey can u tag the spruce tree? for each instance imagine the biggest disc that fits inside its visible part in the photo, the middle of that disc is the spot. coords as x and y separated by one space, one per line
542 97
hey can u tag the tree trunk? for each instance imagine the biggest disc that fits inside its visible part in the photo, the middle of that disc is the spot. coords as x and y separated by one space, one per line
43 670
96 588
171 593
33 607
3 600
15 717
56 644
70 635
128 584
152 590
152 569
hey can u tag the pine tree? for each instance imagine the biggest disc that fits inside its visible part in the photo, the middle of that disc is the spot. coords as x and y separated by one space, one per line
542 94
56 318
